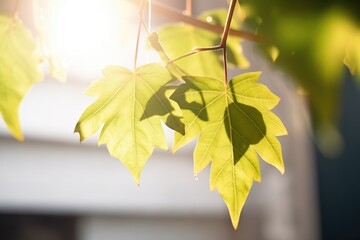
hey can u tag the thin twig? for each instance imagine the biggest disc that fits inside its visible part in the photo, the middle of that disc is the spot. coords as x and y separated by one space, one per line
228 23
225 36
197 50
141 10
176 15
149 14
146 28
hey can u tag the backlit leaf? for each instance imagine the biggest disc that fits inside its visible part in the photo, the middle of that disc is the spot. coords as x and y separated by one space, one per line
129 108
207 63
19 70
234 122
235 54
175 45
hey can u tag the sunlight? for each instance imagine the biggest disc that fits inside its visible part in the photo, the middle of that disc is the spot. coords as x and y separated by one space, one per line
88 34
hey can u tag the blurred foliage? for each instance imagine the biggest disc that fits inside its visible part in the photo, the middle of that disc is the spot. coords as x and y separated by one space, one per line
313 39
19 69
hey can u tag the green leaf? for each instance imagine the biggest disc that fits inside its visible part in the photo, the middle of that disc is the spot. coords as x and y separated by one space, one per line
129 108
169 109
156 45
19 70
235 54
180 39
234 122
175 45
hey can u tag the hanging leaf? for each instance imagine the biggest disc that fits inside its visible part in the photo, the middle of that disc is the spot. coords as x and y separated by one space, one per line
129 108
175 45
156 45
19 70
207 63
234 122
235 56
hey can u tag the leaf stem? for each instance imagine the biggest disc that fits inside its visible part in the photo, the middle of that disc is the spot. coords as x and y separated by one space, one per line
225 65
141 10
197 50
228 23
149 14
225 35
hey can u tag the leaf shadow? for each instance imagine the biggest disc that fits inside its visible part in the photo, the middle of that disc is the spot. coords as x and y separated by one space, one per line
199 109
159 105
245 127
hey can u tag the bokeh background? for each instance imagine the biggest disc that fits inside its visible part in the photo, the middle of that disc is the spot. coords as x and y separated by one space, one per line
53 188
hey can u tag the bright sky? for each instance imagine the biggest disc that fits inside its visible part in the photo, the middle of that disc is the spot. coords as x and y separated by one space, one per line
90 34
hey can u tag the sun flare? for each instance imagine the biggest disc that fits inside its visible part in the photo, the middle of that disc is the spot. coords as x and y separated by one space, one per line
88 35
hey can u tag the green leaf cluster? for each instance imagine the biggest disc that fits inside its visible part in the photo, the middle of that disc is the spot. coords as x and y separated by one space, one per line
233 119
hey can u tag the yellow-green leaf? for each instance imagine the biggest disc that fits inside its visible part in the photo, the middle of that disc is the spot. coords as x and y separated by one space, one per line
208 63
234 122
19 69
175 45
235 56
352 57
129 108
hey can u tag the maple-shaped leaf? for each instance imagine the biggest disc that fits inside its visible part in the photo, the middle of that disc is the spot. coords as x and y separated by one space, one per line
234 122
129 108
19 70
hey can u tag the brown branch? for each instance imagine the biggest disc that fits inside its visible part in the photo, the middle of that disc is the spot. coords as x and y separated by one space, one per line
176 15
228 23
